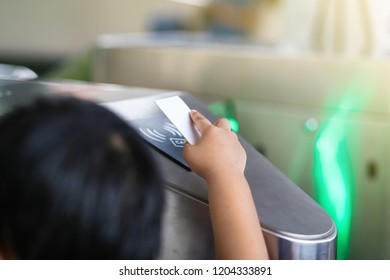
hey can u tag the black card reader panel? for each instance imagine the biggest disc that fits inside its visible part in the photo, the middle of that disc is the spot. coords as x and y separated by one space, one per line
164 136
160 132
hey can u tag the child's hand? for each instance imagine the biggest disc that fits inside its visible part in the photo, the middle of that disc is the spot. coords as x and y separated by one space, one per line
218 151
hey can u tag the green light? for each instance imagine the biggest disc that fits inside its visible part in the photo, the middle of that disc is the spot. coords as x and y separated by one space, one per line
333 177
225 109
233 124
311 125
333 182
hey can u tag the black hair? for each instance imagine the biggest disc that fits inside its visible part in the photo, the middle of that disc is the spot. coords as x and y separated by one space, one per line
76 182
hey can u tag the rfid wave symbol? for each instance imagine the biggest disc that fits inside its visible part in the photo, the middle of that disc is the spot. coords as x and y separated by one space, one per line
177 140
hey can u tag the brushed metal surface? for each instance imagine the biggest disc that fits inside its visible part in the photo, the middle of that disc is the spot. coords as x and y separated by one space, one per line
296 227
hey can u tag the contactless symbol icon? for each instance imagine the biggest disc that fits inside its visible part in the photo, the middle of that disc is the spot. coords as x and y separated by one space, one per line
153 134
161 135
172 129
164 136
177 142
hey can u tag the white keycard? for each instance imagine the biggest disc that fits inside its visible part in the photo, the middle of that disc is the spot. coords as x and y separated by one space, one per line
178 113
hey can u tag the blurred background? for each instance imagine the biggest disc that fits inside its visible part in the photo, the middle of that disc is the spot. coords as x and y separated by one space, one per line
306 82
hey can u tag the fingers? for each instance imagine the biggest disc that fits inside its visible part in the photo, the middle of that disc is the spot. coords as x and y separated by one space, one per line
223 123
200 121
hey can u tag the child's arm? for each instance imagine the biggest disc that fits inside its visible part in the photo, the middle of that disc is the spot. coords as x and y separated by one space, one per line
220 159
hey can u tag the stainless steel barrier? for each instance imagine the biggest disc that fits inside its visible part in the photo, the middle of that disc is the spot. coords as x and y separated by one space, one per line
301 97
295 226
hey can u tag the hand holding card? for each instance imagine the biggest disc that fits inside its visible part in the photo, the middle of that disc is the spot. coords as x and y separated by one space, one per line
178 113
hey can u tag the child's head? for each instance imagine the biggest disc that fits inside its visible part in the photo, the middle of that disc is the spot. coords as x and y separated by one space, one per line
76 182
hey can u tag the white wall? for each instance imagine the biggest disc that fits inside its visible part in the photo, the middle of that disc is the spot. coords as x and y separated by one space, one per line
300 22
50 28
